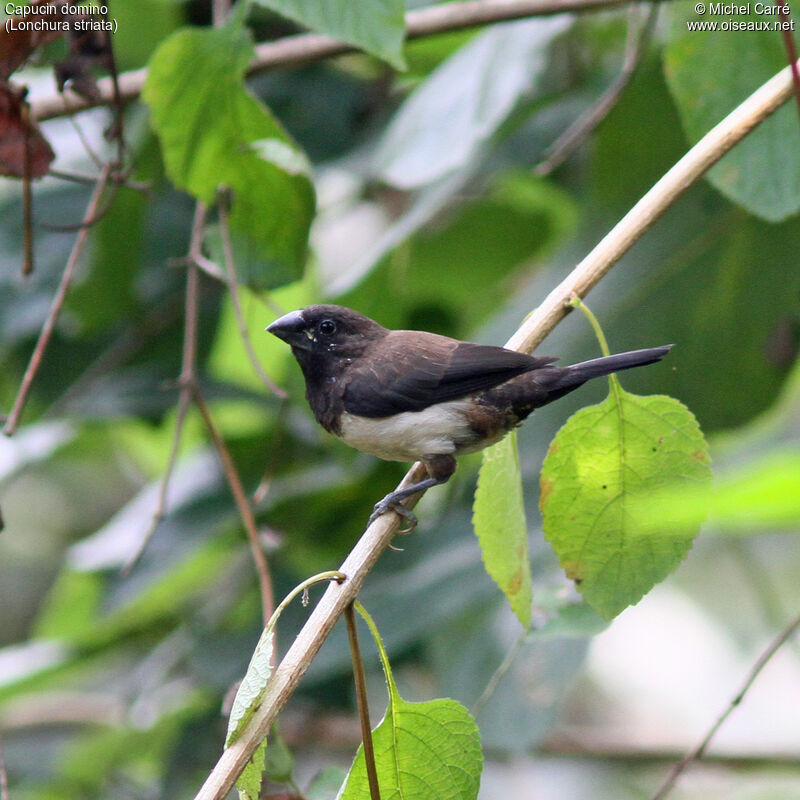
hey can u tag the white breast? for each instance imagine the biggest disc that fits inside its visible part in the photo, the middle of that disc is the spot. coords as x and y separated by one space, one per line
438 430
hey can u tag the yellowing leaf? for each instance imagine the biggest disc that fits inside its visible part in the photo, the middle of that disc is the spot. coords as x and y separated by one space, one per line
603 456
499 520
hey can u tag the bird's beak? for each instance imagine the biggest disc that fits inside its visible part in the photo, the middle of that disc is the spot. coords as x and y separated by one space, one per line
291 328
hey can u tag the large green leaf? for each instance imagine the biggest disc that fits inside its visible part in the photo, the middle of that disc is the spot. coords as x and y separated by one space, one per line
446 121
604 455
423 751
214 133
499 521
709 73
377 26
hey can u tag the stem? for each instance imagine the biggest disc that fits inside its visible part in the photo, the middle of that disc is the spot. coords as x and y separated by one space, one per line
791 50
613 383
580 129
498 674
699 750
576 302
361 698
55 308
239 496
27 194
320 577
4 795
230 273
187 378
373 629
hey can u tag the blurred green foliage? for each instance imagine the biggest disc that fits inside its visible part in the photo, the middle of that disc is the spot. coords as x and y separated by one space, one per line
111 684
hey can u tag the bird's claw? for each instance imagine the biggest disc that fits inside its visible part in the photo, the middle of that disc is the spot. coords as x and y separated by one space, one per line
390 503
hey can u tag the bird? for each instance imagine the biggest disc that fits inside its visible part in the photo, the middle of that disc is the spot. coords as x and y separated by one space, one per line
405 395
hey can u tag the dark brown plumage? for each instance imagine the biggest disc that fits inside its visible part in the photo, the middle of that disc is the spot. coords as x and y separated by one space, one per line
412 395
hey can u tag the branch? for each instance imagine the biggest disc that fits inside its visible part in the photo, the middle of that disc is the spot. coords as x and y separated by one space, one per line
4 795
710 149
55 308
378 535
309 47
583 126
188 360
700 749
233 289
242 504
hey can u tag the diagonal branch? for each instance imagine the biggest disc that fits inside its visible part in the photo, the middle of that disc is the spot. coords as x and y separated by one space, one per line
367 550
309 47
699 751
242 504
583 126
55 308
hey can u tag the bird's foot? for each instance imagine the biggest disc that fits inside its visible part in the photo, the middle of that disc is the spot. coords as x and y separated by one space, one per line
392 503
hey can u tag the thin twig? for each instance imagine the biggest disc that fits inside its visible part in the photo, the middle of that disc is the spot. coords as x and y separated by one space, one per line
55 309
27 193
211 269
116 178
536 326
309 47
363 708
187 378
219 11
245 511
71 107
583 126
699 750
70 227
791 50
4 794
498 674
230 271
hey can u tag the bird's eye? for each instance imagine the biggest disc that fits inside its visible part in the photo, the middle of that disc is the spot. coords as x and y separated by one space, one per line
327 327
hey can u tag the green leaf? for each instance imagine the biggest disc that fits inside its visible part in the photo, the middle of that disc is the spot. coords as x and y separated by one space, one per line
423 751
214 133
279 763
252 687
377 26
249 783
499 520
603 455
445 122
248 697
709 73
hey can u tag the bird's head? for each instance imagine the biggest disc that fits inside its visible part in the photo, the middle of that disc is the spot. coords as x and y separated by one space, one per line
326 330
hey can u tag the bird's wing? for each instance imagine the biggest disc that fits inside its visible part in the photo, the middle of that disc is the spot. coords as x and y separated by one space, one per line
418 370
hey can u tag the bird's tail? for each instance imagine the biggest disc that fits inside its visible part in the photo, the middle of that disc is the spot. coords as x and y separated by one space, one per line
569 378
